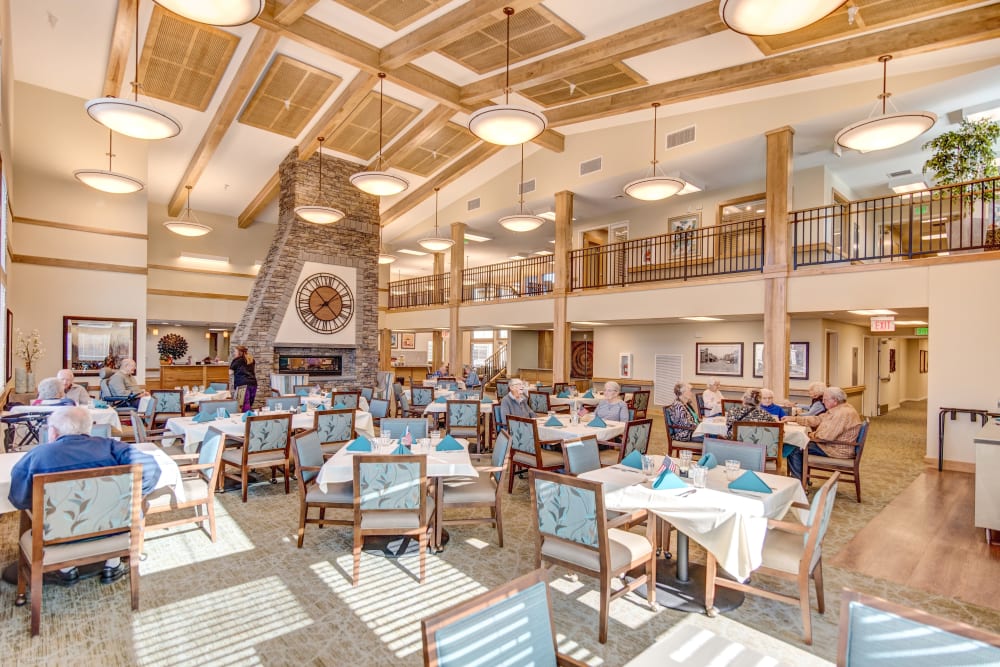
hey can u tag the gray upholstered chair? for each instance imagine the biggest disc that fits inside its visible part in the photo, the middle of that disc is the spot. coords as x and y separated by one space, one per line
850 469
399 427
580 456
527 451
283 403
334 428
751 455
212 407
174 450
307 452
462 420
368 393
480 491
769 434
265 445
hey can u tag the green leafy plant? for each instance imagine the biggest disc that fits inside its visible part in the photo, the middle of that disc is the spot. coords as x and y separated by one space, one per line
172 345
965 154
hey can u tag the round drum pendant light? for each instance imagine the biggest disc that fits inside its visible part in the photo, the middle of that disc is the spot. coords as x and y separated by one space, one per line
773 17
379 183
107 180
215 12
317 213
187 224
656 186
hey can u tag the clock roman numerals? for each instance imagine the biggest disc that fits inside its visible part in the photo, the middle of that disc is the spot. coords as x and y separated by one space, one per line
325 303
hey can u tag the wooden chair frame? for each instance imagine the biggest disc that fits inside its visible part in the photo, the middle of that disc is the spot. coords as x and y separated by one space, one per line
516 466
331 447
448 426
357 399
248 462
156 436
780 458
640 413
673 445
728 403
620 446
567 466
158 418
484 466
305 487
851 474
548 402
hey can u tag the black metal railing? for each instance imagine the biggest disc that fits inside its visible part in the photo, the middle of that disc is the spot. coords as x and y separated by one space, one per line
509 280
927 223
734 247
494 366
423 291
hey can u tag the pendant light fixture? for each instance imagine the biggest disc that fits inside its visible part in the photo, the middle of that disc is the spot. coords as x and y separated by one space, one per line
383 256
317 213
186 224
521 221
107 180
773 17
436 243
215 12
506 124
131 117
379 183
656 186
885 130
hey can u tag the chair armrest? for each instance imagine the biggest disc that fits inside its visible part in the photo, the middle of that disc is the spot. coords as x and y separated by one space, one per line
787 526
566 661
801 506
310 468
631 517
194 467
821 441
610 443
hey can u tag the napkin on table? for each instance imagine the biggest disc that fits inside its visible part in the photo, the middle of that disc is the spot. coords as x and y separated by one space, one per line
563 394
633 460
589 394
211 390
597 422
99 404
301 392
749 481
402 449
249 413
359 444
708 461
441 399
203 417
449 444
668 480
553 421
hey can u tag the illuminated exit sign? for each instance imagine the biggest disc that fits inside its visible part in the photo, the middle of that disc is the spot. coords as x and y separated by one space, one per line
883 324
920 331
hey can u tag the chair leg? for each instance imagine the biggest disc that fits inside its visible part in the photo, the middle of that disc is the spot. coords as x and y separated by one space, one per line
36 599
210 506
287 473
651 581
499 523
806 611
710 570
602 632
303 512
818 582
133 579
357 558
510 480
244 477
423 555
857 482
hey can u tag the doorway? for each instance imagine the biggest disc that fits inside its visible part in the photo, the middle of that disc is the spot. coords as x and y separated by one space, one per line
833 359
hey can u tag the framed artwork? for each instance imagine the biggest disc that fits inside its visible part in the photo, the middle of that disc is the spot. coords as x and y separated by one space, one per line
625 365
923 358
684 237
90 343
718 359
394 344
798 361
407 341
10 345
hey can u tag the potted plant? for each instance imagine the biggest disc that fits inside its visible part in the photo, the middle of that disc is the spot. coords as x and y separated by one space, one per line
29 348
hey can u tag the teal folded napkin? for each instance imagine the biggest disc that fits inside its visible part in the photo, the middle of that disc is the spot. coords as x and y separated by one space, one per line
633 460
301 392
360 444
449 444
211 390
486 399
249 413
203 417
553 421
321 406
668 480
402 449
708 461
749 481
441 399
597 422
225 413
99 404
589 394
303 407
563 394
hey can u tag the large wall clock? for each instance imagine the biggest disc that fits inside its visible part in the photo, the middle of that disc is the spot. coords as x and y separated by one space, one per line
325 303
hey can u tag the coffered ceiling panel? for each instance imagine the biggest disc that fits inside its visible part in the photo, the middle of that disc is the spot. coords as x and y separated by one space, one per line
445 145
358 134
183 61
600 80
394 14
289 95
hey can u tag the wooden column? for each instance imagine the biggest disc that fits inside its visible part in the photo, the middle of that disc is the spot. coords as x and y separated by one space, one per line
384 349
455 301
776 259
560 327
437 346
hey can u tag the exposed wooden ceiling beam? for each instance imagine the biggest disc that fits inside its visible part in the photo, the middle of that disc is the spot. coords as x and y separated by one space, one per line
121 42
353 95
250 69
698 21
260 202
458 168
467 18
425 128
293 10
967 27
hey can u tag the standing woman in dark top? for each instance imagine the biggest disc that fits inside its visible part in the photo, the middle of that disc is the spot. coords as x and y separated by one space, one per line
244 375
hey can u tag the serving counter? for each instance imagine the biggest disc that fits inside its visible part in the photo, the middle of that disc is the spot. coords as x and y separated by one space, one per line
176 375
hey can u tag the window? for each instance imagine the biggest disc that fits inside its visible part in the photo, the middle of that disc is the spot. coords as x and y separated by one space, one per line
480 353
502 334
480 334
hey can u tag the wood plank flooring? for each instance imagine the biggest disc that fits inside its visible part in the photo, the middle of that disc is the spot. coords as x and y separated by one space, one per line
925 538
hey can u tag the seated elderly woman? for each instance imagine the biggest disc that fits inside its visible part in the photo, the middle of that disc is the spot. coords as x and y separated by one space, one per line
712 398
50 392
683 412
815 406
612 406
748 412
768 405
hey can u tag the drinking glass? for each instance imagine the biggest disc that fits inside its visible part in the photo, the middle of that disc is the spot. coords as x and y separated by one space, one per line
387 434
220 413
647 465
685 461
732 469
425 444
265 409
436 434
699 475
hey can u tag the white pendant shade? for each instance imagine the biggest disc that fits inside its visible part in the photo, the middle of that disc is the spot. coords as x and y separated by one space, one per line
654 188
885 131
108 181
773 17
436 243
183 226
386 258
522 222
320 215
506 125
132 119
215 12
379 183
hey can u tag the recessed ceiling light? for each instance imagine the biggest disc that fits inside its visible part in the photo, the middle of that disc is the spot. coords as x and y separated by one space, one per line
543 252
910 323
590 324
876 311
515 257
701 318
407 251
477 238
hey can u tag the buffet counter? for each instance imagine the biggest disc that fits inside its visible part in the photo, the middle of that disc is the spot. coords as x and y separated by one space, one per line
177 375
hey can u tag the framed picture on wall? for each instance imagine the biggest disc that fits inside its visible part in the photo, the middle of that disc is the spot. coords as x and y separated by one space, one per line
90 343
407 341
625 365
718 359
684 235
798 361
758 360
394 341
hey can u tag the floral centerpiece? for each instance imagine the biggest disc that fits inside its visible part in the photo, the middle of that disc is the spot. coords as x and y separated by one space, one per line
29 348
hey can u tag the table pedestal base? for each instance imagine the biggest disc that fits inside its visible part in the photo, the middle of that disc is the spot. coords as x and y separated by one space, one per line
689 595
396 546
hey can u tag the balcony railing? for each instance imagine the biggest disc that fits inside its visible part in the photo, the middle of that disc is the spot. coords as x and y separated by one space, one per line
509 280
709 251
423 291
942 220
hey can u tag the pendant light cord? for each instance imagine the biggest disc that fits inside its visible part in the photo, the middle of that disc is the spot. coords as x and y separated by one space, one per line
656 105
187 213
381 81
520 184
320 193
436 212
110 153
885 73
509 11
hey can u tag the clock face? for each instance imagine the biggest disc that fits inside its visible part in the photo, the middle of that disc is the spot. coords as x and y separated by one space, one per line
325 303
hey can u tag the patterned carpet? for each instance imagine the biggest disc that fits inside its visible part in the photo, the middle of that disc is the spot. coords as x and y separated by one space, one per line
254 598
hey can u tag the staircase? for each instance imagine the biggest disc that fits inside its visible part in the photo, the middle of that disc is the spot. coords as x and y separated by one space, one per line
494 368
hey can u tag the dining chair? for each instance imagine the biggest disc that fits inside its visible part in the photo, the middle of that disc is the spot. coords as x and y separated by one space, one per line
199 482
769 434
497 419
100 430
848 468
307 453
572 530
526 609
700 398
503 389
335 428
751 455
403 408
627 388
219 386
580 456
730 403
79 517
876 631
341 400
157 436
639 403
462 420
421 397
283 403
539 402
635 438
483 491
378 408
164 404
675 431
265 445
390 498
793 552
240 395
559 387
368 393
212 407
399 427
527 451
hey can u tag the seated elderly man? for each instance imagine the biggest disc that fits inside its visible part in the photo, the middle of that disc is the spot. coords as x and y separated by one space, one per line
50 392
123 383
72 391
612 406
71 447
515 402
750 411
768 405
683 412
712 398
839 422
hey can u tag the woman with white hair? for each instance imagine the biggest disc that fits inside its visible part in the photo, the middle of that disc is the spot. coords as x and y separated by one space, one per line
815 406
683 413
768 405
748 412
612 406
50 392
712 398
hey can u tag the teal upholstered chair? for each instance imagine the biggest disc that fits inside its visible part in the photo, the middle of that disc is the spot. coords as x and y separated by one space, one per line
79 517
527 451
480 491
218 386
403 408
212 407
378 408
164 404
462 420
503 389
770 435
421 397
751 455
390 498
793 552
265 445
398 427
334 428
572 530
580 456
368 393
307 452
341 400
635 438
539 402
283 403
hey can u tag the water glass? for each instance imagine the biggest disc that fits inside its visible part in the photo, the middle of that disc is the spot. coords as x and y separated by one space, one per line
436 434
685 461
732 469
220 413
699 475
424 444
387 434
647 465
265 409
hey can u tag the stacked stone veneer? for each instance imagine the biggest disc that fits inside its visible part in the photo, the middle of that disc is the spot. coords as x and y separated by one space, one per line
351 242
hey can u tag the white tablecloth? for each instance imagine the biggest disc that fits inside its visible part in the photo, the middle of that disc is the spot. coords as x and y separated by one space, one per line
432 382
190 398
441 408
7 462
732 526
569 432
170 474
598 397
194 432
340 467
98 415
312 400
795 434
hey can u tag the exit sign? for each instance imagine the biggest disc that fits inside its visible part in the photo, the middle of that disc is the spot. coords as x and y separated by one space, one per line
884 323
920 331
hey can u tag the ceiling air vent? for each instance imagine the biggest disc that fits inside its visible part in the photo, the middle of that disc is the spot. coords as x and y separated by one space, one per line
895 174
472 204
526 187
590 166
680 137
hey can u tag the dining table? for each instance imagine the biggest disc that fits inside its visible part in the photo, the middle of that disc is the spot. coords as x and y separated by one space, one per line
795 434
190 398
312 401
556 399
728 523
107 416
568 430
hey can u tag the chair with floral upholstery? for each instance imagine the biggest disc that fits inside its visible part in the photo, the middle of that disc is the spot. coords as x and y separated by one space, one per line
572 530
462 420
503 388
635 438
334 428
390 498
527 451
164 404
639 403
581 455
265 445
769 434
307 452
480 491
421 397
79 517
342 400
539 402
